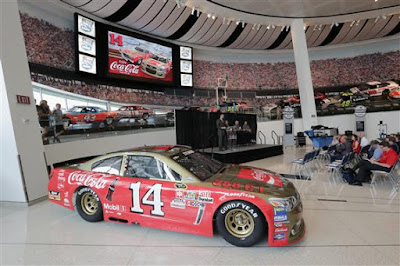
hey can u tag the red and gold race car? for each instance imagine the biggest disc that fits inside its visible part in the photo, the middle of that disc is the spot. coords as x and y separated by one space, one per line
90 114
135 111
136 55
175 188
157 66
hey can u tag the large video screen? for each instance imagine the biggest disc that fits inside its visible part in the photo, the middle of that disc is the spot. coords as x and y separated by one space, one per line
133 57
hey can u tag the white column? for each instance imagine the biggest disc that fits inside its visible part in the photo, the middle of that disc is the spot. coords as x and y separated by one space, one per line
23 174
303 71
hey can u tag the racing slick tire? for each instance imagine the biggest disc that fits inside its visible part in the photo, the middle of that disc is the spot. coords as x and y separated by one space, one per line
109 121
240 223
89 205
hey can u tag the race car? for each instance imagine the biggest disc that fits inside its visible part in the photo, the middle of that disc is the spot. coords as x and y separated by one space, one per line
90 114
395 94
157 66
134 111
376 88
175 188
230 107
136 55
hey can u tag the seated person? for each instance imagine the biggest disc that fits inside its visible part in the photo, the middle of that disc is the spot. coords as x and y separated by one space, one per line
386 162
342 149
393 144
375 151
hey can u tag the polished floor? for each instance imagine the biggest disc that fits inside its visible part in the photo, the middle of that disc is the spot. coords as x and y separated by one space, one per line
346 225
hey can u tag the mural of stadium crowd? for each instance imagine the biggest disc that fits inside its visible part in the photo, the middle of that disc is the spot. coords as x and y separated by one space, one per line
259 88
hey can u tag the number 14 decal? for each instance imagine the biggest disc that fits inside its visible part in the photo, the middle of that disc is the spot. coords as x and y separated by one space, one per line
155 190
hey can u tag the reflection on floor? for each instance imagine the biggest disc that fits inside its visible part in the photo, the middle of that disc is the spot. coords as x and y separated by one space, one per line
345 225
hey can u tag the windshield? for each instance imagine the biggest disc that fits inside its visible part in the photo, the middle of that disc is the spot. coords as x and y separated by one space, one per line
198 164
139 49
161 59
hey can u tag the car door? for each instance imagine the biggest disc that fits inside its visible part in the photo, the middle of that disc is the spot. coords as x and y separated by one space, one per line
151 194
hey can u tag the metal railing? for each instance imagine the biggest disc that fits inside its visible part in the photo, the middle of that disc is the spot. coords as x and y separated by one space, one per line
273 134
259 137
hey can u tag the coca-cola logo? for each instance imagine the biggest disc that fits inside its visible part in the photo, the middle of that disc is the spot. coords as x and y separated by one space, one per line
93 180
124 68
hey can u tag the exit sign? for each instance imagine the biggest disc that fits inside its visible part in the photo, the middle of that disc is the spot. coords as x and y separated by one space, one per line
23 99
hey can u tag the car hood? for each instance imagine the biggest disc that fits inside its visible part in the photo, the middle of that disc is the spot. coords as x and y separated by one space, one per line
255 178
155 63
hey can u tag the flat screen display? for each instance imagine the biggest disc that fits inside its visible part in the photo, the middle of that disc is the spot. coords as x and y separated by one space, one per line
288 128
133 57
360 127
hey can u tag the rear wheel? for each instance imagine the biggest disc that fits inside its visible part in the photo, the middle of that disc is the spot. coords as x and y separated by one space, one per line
109 121
145 116
240 223
88 205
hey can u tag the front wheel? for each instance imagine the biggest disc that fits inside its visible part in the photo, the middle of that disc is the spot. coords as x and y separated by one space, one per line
109 121
240 223
88 205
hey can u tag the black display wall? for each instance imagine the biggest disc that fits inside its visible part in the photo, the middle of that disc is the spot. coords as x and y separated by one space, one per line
199 130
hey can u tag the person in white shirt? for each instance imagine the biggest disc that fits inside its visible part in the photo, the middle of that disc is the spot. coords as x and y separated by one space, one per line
363 140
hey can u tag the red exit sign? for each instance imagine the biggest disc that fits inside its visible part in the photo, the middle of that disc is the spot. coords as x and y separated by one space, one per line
23 99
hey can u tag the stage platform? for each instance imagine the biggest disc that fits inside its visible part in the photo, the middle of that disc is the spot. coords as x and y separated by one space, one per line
245 153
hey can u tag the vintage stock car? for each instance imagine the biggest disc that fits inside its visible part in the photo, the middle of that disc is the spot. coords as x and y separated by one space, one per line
175 188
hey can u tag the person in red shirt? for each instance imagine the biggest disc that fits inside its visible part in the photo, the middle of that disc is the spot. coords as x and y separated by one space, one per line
386 162
355 144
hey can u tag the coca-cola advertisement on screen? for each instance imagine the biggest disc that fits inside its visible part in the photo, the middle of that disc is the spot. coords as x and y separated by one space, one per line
134 57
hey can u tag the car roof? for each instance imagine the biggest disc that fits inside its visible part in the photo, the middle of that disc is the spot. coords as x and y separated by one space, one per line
160 149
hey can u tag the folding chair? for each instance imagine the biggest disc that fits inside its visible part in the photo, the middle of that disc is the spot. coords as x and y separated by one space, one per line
303 164
334 167
393 175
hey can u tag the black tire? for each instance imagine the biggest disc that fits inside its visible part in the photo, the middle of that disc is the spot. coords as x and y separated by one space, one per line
109 121
254 216
96 213
145 116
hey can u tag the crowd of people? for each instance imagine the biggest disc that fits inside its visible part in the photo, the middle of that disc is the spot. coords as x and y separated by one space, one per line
325 73
128 95
377 155
53 46
47 44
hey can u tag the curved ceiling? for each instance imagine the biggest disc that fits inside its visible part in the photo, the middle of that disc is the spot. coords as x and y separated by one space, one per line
304 8
174 20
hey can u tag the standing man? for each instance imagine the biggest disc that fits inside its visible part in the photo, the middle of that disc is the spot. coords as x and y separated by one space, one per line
363 140
221 133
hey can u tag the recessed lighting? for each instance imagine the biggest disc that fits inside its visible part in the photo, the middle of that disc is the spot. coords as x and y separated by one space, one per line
209 15
268 27
193 9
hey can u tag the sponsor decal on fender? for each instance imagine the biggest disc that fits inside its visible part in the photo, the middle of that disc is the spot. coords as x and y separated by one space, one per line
279 236
237 195
178 203
113 207
280 224
238 205
94 180
193 203
66 200
281 229
205 196
280 214
191 195
54 195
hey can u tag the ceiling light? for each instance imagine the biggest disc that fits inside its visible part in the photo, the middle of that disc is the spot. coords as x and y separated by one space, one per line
358 22
254 26
283 27
268 27
352 23
273 26
337 24
320 27
213 17
332 25
315 27
376 0
377 18
209 15
237 22
259 26
304 27
198 12
384 17
287 28
193 9
178 3
242 24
